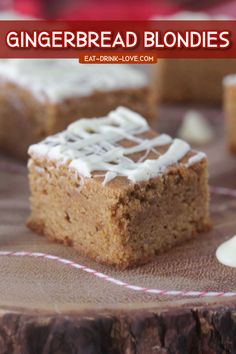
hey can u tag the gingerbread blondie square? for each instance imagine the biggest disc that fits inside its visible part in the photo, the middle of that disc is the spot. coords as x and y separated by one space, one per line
39 97
116 190
192 80
229 84
197 81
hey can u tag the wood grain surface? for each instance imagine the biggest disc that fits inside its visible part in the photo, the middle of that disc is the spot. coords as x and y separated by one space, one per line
47 307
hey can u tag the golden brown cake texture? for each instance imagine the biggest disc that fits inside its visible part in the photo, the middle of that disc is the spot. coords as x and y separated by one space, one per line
116 191
192 80
229 84
40 97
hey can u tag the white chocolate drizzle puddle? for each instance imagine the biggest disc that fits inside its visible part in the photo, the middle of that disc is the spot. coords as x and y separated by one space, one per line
90 145
226 252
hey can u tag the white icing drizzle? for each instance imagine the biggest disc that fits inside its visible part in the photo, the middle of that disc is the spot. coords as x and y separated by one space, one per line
57 79
196 158
90 145
226 252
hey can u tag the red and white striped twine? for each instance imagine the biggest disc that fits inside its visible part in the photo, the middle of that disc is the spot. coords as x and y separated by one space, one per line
223 191
107 278
113 280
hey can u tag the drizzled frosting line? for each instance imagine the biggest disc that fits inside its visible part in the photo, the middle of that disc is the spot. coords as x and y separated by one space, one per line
90 145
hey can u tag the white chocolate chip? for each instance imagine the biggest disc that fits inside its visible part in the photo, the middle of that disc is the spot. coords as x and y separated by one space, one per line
195 129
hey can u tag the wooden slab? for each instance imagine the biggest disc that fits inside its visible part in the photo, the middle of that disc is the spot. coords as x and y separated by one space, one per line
50 307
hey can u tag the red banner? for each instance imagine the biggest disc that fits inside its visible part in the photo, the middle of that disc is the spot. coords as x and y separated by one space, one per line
162 39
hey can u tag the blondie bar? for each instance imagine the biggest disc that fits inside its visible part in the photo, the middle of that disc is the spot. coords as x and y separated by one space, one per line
192 80
116 190
229 84
39 97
